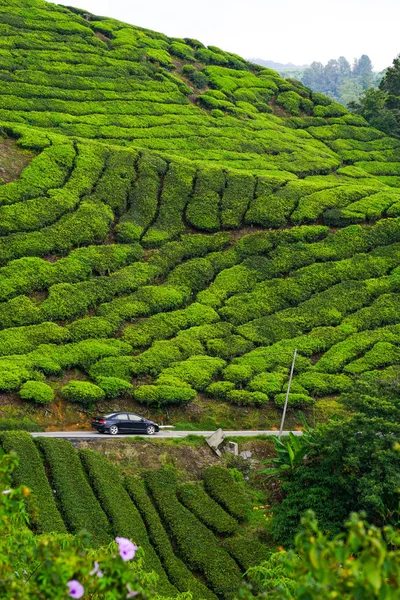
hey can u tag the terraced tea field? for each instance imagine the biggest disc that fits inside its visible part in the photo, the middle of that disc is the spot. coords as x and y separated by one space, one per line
186 220
195 535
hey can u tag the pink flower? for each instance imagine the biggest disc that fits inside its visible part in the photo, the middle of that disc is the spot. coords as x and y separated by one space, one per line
76 589
7 492
131 593
127 549
96 570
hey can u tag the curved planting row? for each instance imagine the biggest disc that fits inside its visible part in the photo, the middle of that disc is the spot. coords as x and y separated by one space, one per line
186 220
178 526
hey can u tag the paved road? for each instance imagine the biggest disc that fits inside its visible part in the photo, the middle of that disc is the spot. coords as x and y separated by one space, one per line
164 433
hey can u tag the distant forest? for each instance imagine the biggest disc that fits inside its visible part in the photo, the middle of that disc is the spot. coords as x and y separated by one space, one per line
338 79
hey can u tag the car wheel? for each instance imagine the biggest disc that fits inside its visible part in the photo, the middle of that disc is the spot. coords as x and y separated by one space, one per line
150 430
113 430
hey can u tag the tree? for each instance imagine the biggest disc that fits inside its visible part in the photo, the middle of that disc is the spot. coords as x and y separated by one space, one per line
351 466
362 66
372 105
391 82
381 108
362 563
339 80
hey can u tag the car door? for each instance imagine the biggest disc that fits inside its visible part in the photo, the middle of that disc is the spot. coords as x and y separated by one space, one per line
123 423
136 424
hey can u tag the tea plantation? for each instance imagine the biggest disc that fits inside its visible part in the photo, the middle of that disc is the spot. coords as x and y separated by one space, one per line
195 536
186 220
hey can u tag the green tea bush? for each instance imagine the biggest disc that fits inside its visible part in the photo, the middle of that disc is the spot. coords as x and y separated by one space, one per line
247 552
80 511
197 370
113 387
203 207
195 499
161 395
197 545
42 509
245 398
221 486
89 328
295 400
268 383
177 571
238 374
82 392
123 515
37 391
219 389
290 101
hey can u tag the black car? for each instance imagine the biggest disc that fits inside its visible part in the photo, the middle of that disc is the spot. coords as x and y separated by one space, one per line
123 422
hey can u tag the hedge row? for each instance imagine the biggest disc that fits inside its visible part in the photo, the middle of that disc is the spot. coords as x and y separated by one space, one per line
122 514
193 496
42 509
26 275
47 170
177 571
221 486
197 545
80 511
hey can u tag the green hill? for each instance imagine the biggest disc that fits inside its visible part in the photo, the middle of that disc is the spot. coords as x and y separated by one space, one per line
177 221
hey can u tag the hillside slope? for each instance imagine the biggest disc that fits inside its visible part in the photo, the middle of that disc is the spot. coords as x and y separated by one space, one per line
188 220
197 536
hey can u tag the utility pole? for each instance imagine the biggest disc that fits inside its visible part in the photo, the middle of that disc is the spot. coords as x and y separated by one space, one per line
287 394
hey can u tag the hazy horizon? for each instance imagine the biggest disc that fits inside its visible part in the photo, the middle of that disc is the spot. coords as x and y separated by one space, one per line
284 32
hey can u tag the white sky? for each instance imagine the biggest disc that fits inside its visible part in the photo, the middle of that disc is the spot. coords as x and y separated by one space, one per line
297 31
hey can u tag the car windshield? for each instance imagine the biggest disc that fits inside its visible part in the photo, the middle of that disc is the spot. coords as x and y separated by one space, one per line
108 416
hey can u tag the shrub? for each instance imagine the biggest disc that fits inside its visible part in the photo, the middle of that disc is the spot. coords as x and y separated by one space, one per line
295 400
82 392
221 486
37 391
91 327
245 398
268 383
219 389
177 571
113 387
238 373
247 552
160 395
290 101
42 509
197 545
193 496
123 515
81 511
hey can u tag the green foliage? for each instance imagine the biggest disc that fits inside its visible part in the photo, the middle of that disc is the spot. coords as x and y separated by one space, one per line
197 545
113 386
53 561
245 398
206 509
82 392
80 511
177 571
37 391
41 505
368 559
160 395
221 486
154 235
122 514
350 465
